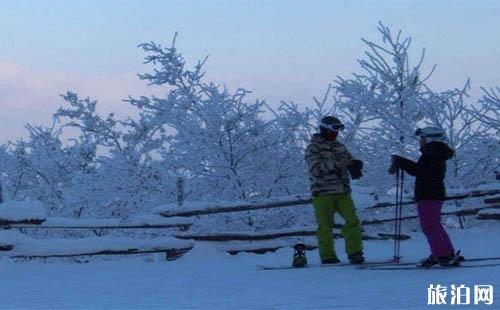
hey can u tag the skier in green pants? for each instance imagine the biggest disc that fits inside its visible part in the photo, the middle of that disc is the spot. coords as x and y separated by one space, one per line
330 164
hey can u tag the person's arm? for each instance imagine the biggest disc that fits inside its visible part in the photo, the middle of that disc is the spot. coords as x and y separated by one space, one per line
407 165
343 159
319 167
427 167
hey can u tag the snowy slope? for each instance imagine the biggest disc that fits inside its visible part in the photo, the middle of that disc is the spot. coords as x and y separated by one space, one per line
208 279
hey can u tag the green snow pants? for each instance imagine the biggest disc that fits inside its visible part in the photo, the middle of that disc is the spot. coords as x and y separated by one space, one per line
325 207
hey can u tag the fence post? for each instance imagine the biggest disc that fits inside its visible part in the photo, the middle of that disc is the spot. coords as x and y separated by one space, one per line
180 191
1 190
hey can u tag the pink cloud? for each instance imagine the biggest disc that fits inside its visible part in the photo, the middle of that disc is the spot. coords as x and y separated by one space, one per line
27 96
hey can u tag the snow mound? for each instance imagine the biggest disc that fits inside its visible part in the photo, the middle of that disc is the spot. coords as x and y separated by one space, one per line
12 237
17 211
203 253
191 205
26 246
489 186
481 188
489 212
71 222
155 219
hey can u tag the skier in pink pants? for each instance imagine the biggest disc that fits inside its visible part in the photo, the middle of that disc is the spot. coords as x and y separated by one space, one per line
429 172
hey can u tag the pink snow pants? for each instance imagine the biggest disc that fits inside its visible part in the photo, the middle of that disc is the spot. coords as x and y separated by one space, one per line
429 212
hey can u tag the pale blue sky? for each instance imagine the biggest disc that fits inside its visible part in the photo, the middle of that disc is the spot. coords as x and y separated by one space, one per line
279 49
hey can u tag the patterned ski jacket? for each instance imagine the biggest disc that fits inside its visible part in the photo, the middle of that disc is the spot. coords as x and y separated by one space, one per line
328 162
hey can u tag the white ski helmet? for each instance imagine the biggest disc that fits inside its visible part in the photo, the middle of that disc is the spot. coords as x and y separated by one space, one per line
431 134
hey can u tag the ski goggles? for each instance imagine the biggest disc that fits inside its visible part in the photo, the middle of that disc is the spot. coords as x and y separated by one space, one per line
419 132
333 127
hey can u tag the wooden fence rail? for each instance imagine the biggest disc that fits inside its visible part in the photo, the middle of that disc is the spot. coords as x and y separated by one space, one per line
295 201
156 226
472 194
310 232
260 237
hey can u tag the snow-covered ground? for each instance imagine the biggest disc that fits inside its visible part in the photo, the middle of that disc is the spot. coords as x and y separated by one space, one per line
208 279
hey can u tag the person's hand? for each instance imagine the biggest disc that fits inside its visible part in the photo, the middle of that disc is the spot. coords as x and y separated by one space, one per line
355 169
395 160
393 170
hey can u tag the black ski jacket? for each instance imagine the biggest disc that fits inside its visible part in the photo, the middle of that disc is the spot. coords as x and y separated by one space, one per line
429 170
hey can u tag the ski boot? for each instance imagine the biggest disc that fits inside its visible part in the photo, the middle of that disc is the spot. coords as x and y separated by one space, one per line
428 262
330 261
357 258
451 260
299 255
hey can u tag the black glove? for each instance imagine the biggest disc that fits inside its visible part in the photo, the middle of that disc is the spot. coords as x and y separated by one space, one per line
395 164
355 169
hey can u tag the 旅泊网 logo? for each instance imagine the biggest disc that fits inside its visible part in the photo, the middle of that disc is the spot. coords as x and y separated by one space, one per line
459 294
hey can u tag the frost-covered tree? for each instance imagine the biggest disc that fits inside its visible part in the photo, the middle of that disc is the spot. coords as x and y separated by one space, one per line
125 179
285 166
489 112
41 168
382 104
14 170
216 138
5 166
467 134
390 89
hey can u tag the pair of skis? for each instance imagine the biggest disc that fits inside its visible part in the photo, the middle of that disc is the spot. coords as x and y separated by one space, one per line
392 265
468 263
